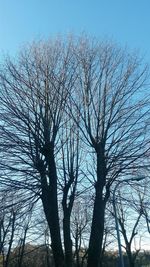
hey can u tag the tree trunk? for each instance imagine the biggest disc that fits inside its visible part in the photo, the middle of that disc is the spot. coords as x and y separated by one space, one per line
130 259
50 204
22 248
67 240
11 238
51 212
77 247
97 229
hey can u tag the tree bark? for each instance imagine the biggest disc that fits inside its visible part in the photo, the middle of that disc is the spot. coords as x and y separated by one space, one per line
67 240
130 258
51 212
97 228
22 248
50 205
11 238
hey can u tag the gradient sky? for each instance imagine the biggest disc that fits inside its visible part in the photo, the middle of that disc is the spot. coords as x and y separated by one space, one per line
125 21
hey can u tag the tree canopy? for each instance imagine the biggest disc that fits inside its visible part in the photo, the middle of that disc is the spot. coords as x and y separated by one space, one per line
74 118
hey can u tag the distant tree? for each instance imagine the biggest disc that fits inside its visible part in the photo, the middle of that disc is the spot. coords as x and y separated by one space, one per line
81 220
129 221
33 256
70 173
24 226
8 225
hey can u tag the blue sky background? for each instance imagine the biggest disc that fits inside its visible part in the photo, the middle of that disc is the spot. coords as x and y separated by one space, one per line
125 21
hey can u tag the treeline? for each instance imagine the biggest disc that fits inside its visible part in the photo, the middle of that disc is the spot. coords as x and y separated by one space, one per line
41 256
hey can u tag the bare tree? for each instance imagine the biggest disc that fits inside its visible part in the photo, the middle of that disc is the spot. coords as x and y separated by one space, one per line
81 219
105 87
7 229
33 94
129 218
24 226
69 171
10 215
113 107
109 236
8 219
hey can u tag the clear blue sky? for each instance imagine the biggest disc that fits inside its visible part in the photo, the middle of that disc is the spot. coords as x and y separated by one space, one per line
125 21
